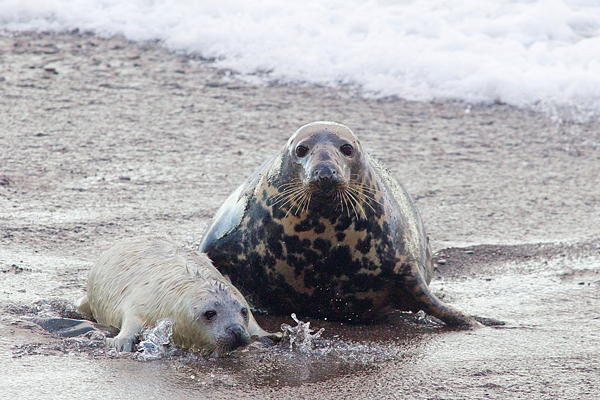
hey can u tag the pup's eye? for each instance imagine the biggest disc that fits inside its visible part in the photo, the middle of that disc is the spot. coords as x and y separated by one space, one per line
244 312
210 315
301 151
347 149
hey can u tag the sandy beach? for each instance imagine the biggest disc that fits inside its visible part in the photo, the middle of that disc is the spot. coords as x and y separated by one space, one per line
105 139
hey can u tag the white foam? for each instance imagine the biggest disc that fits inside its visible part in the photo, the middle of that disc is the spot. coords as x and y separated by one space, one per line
519 52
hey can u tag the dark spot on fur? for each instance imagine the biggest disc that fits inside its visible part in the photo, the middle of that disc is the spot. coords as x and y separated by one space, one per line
322 244
320 228
361 225
364 246
294 245
303 226
343 223
311 256
274 234
376 231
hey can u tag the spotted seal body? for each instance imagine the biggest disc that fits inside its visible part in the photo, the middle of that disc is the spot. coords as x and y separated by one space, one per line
324 230
138 282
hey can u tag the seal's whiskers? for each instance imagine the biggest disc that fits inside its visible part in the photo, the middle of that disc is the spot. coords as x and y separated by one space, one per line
343 201
209 349
355 203
294 195
285 194
364 197
307 202
298 199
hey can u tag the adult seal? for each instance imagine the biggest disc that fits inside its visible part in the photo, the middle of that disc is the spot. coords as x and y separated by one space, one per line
140 281
324 230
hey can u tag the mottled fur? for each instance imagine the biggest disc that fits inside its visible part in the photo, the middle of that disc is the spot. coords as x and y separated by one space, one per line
327 234
138 282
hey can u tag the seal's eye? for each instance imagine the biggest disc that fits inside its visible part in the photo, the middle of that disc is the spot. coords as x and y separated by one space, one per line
210 315
347 149
244 312
301 151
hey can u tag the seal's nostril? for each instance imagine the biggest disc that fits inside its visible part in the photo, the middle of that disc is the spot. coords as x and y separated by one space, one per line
238 335
236 331
324 172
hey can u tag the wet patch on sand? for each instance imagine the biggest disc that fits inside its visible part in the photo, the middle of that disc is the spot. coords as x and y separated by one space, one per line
547 309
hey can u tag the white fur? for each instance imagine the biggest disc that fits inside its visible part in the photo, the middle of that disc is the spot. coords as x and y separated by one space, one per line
139 281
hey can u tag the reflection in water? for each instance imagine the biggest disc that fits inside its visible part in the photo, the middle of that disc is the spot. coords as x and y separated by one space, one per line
305 355
551 309
336 350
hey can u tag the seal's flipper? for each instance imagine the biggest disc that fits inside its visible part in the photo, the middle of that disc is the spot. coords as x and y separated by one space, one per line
230 214
65 327
428 302
68 327
83 305
488 321
127 337
258 333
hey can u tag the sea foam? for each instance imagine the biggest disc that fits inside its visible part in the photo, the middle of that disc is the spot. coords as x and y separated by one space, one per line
521 52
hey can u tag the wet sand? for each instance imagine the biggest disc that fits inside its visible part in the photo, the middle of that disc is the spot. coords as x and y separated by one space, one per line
102 140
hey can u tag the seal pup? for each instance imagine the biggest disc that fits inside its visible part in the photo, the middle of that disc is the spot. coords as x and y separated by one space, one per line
322 229
140 281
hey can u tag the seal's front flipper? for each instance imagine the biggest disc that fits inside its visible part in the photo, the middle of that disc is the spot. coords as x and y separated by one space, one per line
269 339
258 333
127 337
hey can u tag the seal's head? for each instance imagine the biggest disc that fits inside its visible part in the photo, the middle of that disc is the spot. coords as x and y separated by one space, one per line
323 165
220 318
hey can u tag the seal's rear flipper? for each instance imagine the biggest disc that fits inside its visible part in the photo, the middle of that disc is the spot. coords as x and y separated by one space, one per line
65 327
68 327
415 284
488 321
83 305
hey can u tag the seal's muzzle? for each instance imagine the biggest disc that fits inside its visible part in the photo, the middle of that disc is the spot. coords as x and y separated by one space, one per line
237 336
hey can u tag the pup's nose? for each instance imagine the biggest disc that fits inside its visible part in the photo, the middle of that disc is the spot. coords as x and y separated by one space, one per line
238 335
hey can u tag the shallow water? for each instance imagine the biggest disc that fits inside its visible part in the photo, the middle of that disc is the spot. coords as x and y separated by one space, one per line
549 347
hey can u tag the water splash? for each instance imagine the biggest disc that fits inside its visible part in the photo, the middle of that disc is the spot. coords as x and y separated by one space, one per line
155 340
305 342
301 337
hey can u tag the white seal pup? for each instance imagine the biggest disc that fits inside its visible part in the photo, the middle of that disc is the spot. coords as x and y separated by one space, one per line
140 281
